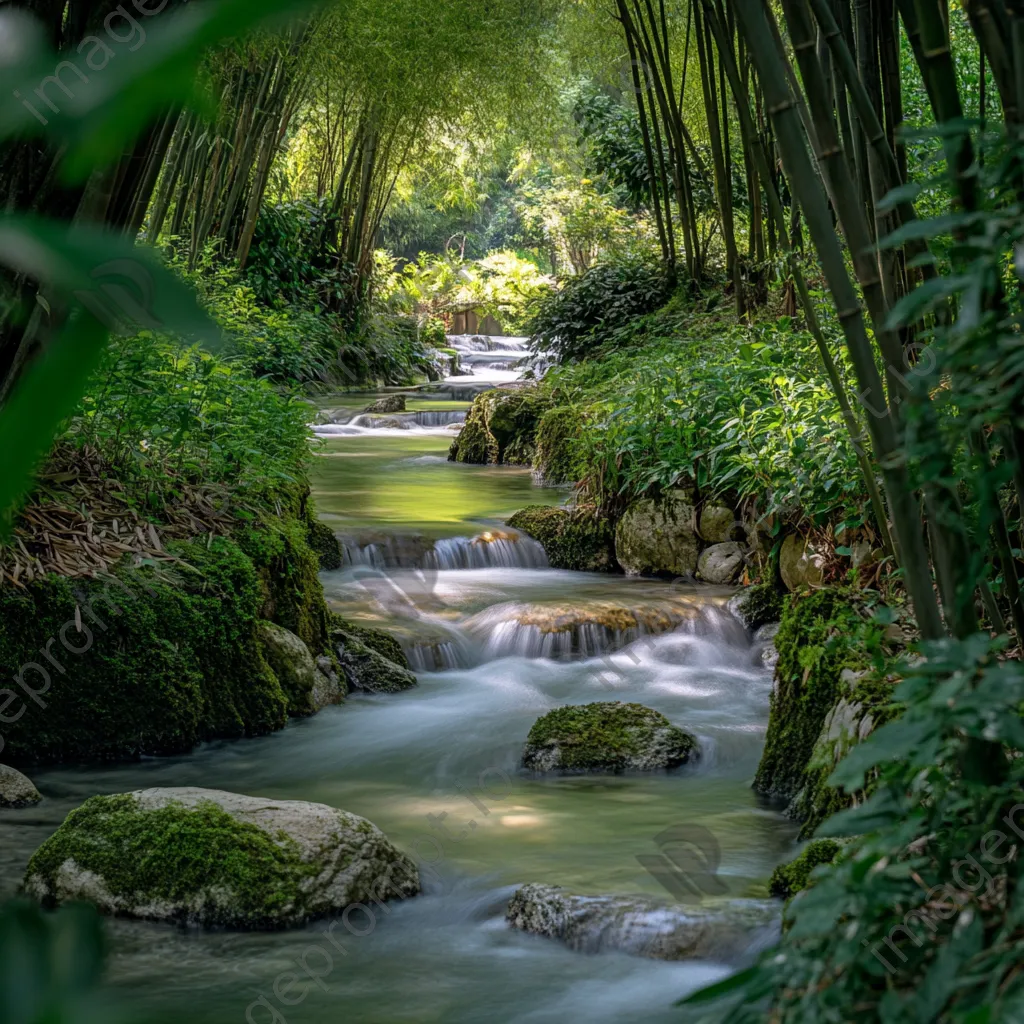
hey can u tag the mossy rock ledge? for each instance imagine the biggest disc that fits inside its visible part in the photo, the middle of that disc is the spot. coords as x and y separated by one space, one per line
206 858
642 926
606 737
579 538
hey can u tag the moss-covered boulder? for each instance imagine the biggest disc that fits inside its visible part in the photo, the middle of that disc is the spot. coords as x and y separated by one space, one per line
558 453
579 538
606 737
657 537
213 859
821 634
757 606
387 404
16 790
789 879
865 703
642 926
309 689
501 427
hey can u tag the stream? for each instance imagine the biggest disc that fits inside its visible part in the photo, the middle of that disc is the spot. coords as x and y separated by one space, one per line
436 767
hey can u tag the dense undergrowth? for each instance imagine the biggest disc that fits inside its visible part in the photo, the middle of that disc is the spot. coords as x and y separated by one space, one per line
682 393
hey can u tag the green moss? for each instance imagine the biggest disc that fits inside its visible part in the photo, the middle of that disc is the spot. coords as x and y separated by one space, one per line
289 569
376 639
760 605
579 539
167 659
500 428
172 853
789 879
606 737
559 457
322 540
366 669
820 635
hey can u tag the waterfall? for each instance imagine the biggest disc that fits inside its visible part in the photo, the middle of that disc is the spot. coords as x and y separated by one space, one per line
493 549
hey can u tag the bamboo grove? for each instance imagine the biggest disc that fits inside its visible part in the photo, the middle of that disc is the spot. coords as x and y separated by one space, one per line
796 125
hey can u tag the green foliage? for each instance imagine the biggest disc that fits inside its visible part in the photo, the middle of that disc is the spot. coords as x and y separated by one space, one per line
165 418
171 853
920 919
615 145
588 309
51 965
789 879
743 411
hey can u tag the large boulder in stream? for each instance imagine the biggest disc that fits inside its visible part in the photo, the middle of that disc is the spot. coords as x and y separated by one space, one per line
578 538
389 403
606 737
16 790
213 859
644 927
658 538
501 427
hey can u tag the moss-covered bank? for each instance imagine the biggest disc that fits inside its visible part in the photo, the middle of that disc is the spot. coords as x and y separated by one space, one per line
154 659
789 879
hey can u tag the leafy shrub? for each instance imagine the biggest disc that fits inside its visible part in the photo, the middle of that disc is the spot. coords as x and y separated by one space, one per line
584 315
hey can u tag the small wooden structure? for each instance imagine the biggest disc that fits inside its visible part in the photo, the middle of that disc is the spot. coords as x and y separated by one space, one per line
469 321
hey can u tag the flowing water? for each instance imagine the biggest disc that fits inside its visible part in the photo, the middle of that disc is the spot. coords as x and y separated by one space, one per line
497 639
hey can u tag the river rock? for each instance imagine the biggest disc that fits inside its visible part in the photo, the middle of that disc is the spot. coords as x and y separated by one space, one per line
389 403
718 524
368 670
606 737
16 790
501 427
308 687
721 563
768 656
213 859
658 537
644 927
580 538
801 563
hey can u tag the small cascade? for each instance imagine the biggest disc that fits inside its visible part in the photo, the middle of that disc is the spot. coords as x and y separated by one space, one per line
493 549
438 657
584 631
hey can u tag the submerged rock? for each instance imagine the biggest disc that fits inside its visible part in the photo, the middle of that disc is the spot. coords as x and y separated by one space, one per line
643 927
580 539
721 563
801 563
606 737
658 537
213 859
389 403
308 686
16 790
